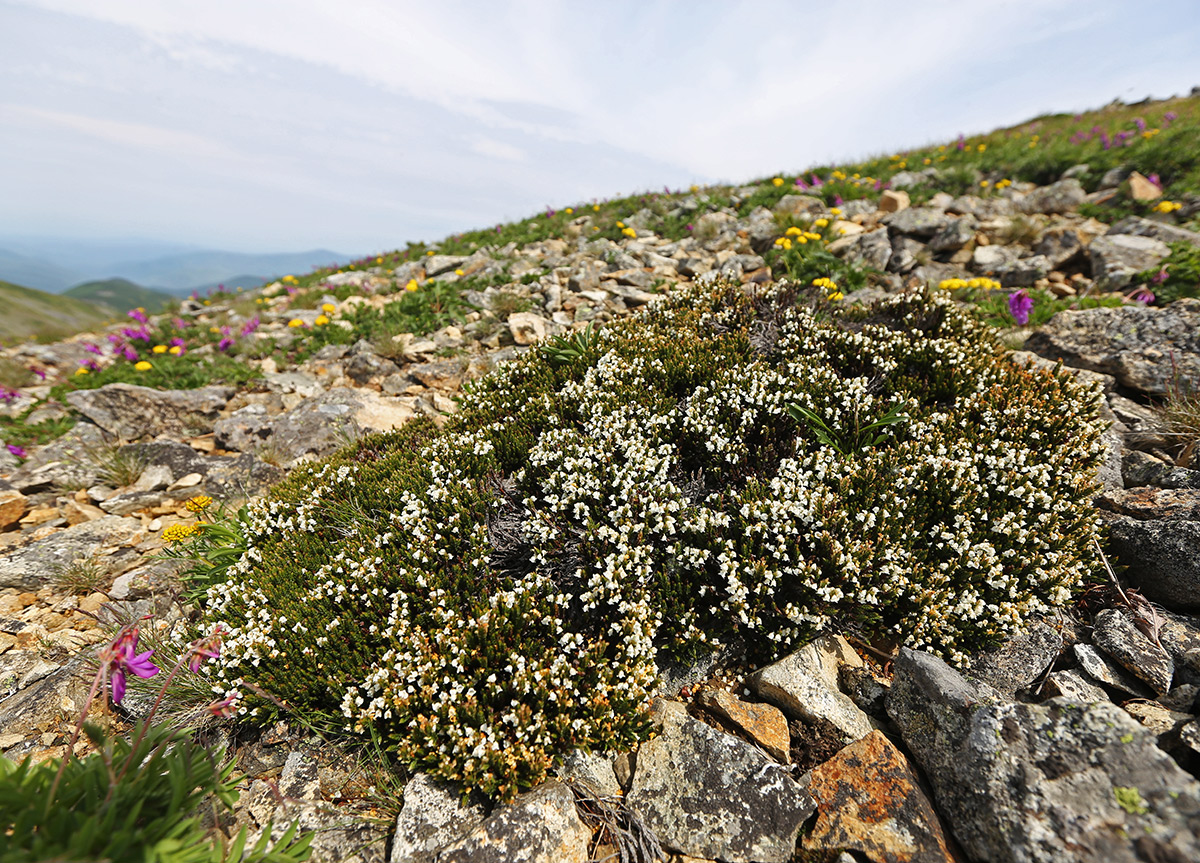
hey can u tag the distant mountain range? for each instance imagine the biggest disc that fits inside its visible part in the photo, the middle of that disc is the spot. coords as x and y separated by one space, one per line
56 264
120 295
30 314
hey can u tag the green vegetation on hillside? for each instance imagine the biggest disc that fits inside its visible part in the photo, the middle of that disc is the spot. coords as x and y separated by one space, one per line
38 316
121 295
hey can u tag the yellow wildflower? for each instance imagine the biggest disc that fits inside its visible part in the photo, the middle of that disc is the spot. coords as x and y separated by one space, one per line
569 211
793 231
459 272
379 260
429 252
177 532
836 295
629 232
159 349
328 308
837 211
981 147
321 320
821 223
620 224
295 322
175 350
927 161
983 184
411 286
778 181
143 366
783 243
1167 206
595 208
199 503
82 370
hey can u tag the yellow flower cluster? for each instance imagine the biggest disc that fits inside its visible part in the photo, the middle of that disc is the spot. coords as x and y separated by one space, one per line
199 503
143 366
629 232
1167 206
837 175
160 349
978 282
321 320
411 286
177 532
175 350
831 286
328 308
778 181
289 280
295 322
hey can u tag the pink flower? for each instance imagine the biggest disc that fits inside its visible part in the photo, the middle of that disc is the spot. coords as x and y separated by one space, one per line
93 349
42 374
138 315
1020 304
19 452
208 647
224 708
121 658
1143 295
1159 277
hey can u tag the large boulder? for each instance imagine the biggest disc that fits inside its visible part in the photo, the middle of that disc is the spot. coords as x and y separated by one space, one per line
1065 196
1145 348
1117 258
131 412
1058 781
708 794
39 563
1156 533
540 826
1142 227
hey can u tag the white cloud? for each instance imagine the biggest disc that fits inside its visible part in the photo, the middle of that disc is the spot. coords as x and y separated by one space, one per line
498 149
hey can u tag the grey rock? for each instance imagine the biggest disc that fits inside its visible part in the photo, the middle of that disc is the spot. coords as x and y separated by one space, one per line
155 477
40 706
1114 177
795 205
435 265
68 462
904 254
540 826
367 366
917 221
1141 227
592 770
432 817
317 426
707 794
1059 781
908 179
337 836
1163 558
1069 683
1020 661
1117 258
244 429
130 412
954 235
37 564
1180 637
1144 348
1059 246
155 576
1163 723
1117 636
1023 272
872 249
805 686
988 259
299 779
1099 668
1065 196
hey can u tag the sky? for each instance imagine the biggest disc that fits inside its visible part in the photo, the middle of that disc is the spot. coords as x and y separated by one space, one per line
282 125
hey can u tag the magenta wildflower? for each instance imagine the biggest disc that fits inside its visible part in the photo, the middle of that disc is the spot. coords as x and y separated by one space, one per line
93 349
179 343
817 182
961 144
800 184
129 353
19 452
1140 123
1145 296
208 647
1153 178
1170 117
1159 277
225 344
8 395
122 658
690 227
837 200
224 708
90 364
41 372
1020 304
179 323
138 315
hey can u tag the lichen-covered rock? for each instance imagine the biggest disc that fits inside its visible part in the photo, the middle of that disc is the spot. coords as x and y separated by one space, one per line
805 686
1117 258
131 412
869 800
432 816
541 826
1116 635
1144 348
708 794
1020 661
1065 196
1166 233
762 723
917 221
39 563
1060 781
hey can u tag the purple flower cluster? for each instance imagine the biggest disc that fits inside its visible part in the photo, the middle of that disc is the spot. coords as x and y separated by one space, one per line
1020 304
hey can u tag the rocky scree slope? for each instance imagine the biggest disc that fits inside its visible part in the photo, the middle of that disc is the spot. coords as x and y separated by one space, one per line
1092 707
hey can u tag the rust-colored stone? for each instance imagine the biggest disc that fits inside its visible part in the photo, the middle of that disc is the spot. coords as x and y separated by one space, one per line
868 801
765 724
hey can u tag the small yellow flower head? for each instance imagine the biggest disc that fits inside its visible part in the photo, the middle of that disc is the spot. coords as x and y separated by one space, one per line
927 161
459 272
629 232
595 208
208 302
620 224
1167 206
199 503
143 366
981 147
793 231
694 189
784 243
177 532
328 308
837 211
983 184
175 350
778 181
82 370
824 282
802 240
430 252
321 320
295 322
214 329
569 211
411 286
836 295
809 235
821 223
160 349
942 148
838 175
379 260
902 165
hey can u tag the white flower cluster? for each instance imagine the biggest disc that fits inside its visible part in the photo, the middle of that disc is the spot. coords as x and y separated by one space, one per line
668 499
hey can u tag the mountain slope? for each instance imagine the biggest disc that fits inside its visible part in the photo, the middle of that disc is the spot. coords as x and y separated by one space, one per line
183 272
31 314
119 295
